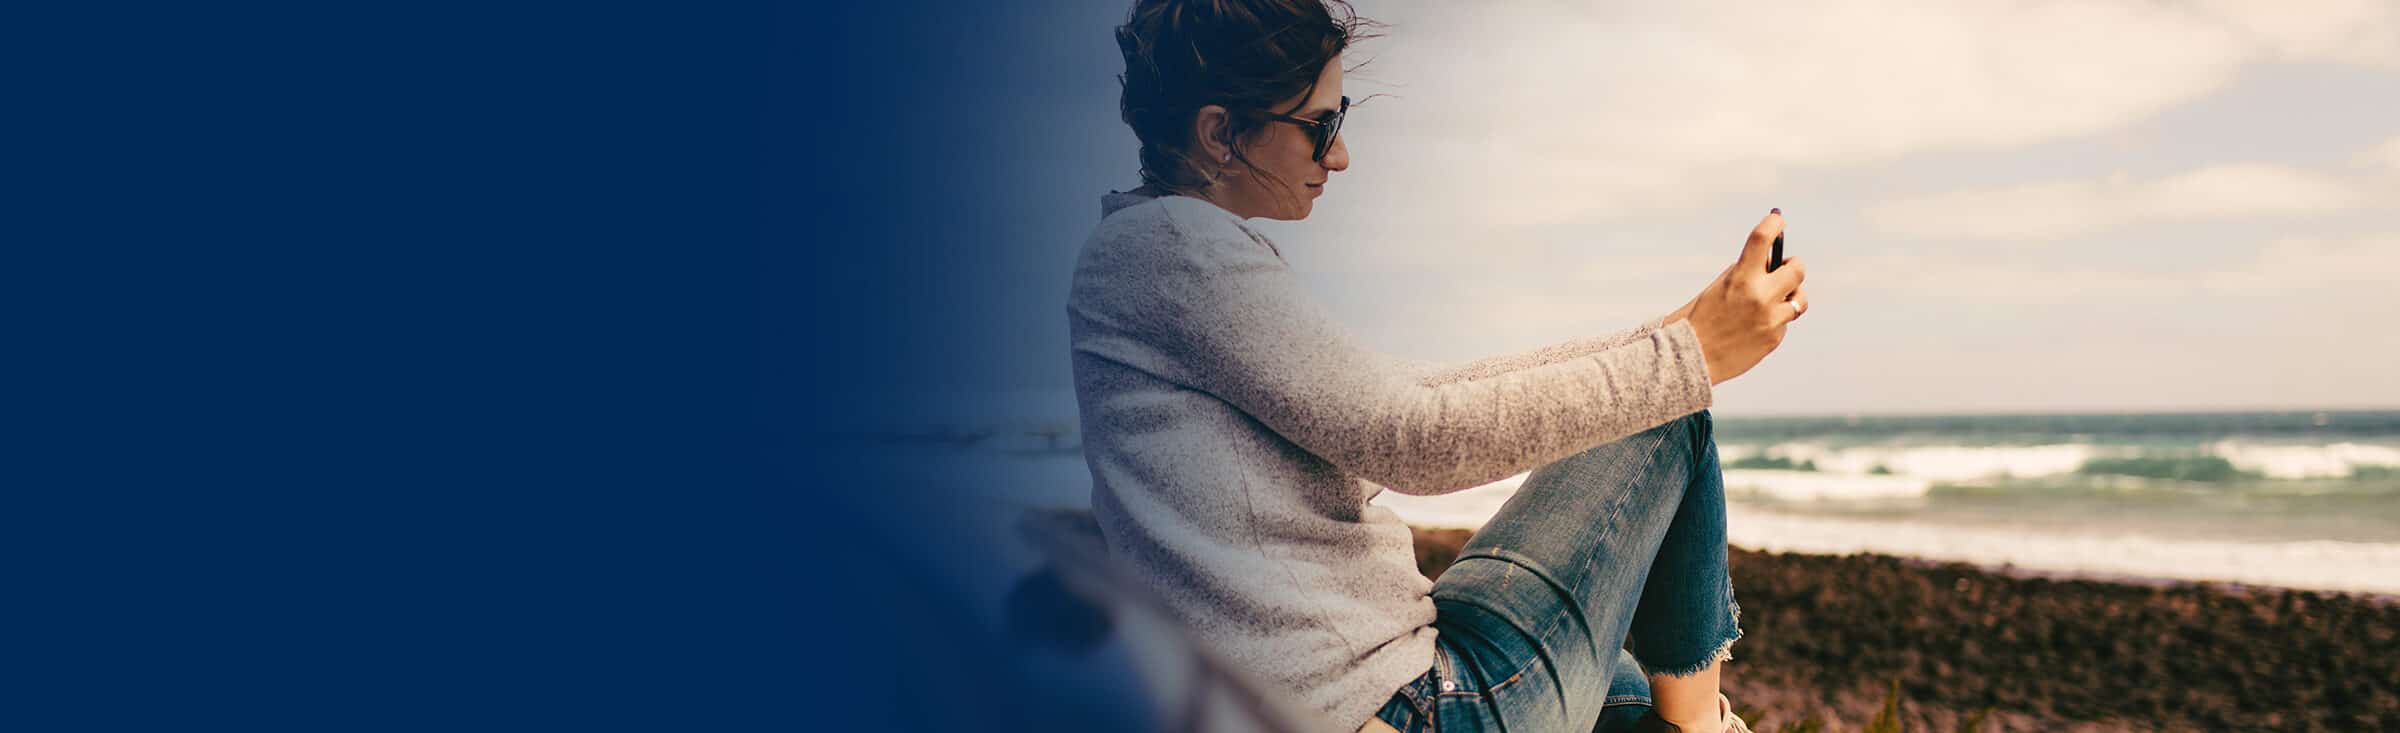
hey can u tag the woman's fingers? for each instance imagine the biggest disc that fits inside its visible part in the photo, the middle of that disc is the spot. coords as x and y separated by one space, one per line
1799 305
1786 279
1762 239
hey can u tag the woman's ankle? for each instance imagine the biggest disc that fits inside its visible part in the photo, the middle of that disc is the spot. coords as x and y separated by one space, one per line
1652 723
1688 700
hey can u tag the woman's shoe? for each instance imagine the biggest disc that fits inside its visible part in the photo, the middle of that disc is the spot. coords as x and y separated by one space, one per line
1651 723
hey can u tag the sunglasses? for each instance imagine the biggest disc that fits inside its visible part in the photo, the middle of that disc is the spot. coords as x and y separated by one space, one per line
1322 132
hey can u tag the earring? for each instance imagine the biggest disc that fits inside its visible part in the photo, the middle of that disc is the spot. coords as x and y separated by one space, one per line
1228 157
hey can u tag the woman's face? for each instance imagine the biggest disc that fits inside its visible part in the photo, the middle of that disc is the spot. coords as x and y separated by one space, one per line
1283 149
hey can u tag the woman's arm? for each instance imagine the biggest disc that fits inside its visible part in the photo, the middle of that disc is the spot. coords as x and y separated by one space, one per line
1228 312
1430 373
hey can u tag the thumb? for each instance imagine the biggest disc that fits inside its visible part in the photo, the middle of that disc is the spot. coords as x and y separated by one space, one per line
1762 239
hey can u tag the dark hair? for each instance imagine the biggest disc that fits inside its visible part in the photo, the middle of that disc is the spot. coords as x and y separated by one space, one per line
1244 55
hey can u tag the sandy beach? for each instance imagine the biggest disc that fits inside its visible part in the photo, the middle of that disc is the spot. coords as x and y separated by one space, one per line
1825 636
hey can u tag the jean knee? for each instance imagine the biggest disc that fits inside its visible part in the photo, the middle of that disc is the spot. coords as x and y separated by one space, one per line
1628 680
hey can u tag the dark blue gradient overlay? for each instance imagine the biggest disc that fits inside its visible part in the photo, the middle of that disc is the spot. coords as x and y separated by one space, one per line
932 170
484 366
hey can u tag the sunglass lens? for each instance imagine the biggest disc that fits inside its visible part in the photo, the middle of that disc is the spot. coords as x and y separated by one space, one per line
1332 129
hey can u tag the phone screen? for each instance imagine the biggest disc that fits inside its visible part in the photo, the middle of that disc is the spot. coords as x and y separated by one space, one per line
1775 259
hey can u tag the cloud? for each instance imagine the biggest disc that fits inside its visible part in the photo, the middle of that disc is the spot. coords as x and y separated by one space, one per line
2294 264
1535 113
2385 156
1549 170
1468 311
1525 114
2058 209
1959 278
2283 266
2356 32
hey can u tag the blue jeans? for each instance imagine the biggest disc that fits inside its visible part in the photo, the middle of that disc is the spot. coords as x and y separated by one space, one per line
1605 567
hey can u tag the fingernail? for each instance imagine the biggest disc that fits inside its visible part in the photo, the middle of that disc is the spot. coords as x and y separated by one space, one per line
1776 210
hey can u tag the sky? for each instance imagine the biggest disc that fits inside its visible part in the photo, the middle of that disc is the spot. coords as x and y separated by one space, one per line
2022 207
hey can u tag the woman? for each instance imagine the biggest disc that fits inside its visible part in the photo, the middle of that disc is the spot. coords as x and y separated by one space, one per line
1235 433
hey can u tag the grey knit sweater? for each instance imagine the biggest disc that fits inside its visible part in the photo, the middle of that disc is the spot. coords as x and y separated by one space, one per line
1235 433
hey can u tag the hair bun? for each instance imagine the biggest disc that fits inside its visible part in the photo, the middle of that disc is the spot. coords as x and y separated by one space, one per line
1244 55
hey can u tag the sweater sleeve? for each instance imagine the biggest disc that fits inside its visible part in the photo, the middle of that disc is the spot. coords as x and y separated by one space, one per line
1227 308
1430 374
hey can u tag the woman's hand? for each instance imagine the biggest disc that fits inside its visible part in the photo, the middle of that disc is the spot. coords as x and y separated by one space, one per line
1800 295
1740 317
1683 312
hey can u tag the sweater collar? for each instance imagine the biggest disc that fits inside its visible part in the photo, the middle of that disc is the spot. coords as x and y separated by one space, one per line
1116 200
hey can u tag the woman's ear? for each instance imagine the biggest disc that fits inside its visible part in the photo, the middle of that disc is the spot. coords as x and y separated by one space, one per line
1209 133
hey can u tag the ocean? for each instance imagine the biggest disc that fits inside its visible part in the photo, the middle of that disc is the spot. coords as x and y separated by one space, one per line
2293 499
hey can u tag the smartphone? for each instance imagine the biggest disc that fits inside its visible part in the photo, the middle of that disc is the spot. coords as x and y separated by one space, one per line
1775 259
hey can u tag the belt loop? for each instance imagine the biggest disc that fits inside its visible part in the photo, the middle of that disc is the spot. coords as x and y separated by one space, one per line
1420 696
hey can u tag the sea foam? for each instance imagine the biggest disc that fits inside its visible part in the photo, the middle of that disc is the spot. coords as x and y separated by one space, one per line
1932 462
2370 567
1960 463
2334 460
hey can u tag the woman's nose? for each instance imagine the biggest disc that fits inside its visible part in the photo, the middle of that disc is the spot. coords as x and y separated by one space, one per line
1338 156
